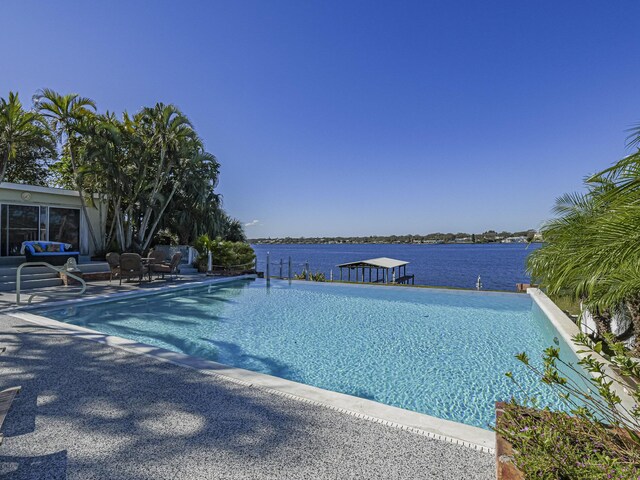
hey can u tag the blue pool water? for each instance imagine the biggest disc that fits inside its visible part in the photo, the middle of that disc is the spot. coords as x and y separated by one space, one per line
439 352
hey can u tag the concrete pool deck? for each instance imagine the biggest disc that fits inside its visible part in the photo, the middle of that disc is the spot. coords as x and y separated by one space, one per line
89 410
100 288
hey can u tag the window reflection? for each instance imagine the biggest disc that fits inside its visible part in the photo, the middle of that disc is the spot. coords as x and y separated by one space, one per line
64 226
21 226
21 223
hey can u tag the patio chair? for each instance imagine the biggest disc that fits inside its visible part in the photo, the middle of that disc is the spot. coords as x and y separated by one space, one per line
113 259
172 268
6 399
156 258
131 265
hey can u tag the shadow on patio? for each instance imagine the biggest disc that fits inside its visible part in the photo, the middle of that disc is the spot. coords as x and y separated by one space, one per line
117 413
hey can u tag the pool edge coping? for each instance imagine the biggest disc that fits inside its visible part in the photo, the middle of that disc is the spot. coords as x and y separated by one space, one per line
114 296
419 423
568 329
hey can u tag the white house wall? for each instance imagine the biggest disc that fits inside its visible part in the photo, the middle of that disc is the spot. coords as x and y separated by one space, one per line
16 194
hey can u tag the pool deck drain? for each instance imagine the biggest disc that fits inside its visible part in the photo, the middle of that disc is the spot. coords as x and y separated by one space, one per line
89 410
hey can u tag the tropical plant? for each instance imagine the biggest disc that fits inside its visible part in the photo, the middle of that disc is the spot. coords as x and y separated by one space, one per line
150 168
196 208
226 255
601 437
314 277
171 145
32 164
592 250
591 256
24 140
67 116
157 174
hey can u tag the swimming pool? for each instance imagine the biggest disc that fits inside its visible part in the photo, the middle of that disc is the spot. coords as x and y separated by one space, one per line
433 351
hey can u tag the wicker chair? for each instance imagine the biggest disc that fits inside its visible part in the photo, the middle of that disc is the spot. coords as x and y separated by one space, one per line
131 265
113 259
172 268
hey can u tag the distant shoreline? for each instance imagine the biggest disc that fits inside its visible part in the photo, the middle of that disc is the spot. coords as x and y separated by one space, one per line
490 236
284 242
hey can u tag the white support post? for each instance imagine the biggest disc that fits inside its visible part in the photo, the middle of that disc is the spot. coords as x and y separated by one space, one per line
268 265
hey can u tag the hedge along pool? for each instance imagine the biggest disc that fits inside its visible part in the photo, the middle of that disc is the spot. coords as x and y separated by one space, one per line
439 352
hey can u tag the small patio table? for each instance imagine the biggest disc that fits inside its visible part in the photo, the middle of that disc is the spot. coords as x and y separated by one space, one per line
146 261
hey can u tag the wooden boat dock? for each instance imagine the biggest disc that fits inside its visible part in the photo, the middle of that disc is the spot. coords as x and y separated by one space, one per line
387 270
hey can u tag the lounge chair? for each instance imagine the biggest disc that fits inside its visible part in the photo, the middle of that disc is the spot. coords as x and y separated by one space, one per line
131 265
171 268
113 259
6 399
55 253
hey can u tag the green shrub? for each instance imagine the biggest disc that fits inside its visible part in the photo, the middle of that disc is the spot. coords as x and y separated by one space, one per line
555 445
601 436
314 277
226 255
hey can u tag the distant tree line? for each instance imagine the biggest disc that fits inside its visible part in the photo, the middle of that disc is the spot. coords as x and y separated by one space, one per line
490 236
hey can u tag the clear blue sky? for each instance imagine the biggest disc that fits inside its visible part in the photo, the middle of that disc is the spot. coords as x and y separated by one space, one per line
358 117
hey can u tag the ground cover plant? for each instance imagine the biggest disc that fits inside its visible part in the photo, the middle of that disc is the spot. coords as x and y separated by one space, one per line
592 259
600 436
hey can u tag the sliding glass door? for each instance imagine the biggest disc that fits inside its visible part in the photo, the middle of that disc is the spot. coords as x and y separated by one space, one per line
21 223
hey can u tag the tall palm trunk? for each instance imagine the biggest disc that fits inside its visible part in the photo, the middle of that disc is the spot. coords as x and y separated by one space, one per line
143 235
159 216
5 163
83 203
603 322
633 305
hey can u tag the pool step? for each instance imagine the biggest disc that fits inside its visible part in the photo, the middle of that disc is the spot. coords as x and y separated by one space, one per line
11 271
28 276
29 284
40 277
32 277
94 267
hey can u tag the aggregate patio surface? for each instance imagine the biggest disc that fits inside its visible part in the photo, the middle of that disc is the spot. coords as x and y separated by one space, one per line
91 411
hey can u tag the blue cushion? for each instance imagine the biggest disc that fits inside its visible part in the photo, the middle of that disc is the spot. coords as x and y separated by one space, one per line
62 246
55 253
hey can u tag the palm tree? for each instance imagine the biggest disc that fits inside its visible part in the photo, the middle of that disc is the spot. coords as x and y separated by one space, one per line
171 144
235 231
18 129
193 209
66 115
104 151
592 250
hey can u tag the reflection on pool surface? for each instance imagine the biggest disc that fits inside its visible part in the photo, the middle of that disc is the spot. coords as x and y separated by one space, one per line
439 352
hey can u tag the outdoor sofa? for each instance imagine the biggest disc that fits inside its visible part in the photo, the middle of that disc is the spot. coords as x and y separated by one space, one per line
55 253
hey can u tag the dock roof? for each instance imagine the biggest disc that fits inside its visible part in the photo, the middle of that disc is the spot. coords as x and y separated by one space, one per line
381 262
